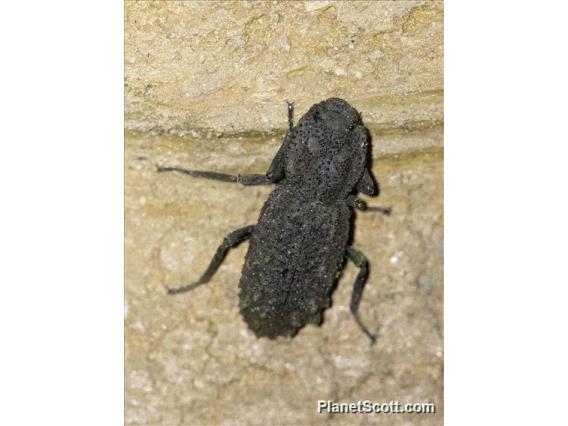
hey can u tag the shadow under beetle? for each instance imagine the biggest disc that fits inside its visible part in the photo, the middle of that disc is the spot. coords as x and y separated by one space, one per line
297 248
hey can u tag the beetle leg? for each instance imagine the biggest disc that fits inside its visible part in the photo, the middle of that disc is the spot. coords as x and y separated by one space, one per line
353 201
359 260
242 179
384 210
231 240
275 172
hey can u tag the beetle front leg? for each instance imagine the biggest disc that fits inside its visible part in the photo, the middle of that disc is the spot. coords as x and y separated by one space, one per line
223 177
230 241
274 174
360 261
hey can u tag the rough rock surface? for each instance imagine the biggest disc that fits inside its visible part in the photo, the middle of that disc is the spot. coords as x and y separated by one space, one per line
193 68
205 88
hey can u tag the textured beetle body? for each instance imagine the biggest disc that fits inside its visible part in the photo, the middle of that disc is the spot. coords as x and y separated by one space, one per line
300 242
298 246
293 259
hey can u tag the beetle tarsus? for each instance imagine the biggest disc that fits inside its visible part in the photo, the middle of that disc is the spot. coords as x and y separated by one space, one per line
183 289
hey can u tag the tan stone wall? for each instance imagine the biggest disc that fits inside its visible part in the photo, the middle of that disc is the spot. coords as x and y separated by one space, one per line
197 68
205 87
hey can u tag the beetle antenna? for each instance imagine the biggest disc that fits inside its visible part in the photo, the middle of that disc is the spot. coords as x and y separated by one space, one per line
290 114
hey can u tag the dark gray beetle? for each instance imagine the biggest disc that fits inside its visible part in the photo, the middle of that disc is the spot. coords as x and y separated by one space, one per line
298 247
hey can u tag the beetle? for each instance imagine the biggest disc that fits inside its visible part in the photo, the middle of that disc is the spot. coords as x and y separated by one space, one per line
298 247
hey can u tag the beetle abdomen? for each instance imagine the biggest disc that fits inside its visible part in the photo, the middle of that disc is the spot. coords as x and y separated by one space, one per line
292 263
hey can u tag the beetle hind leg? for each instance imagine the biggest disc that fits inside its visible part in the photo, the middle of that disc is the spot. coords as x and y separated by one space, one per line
234 238
363 264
